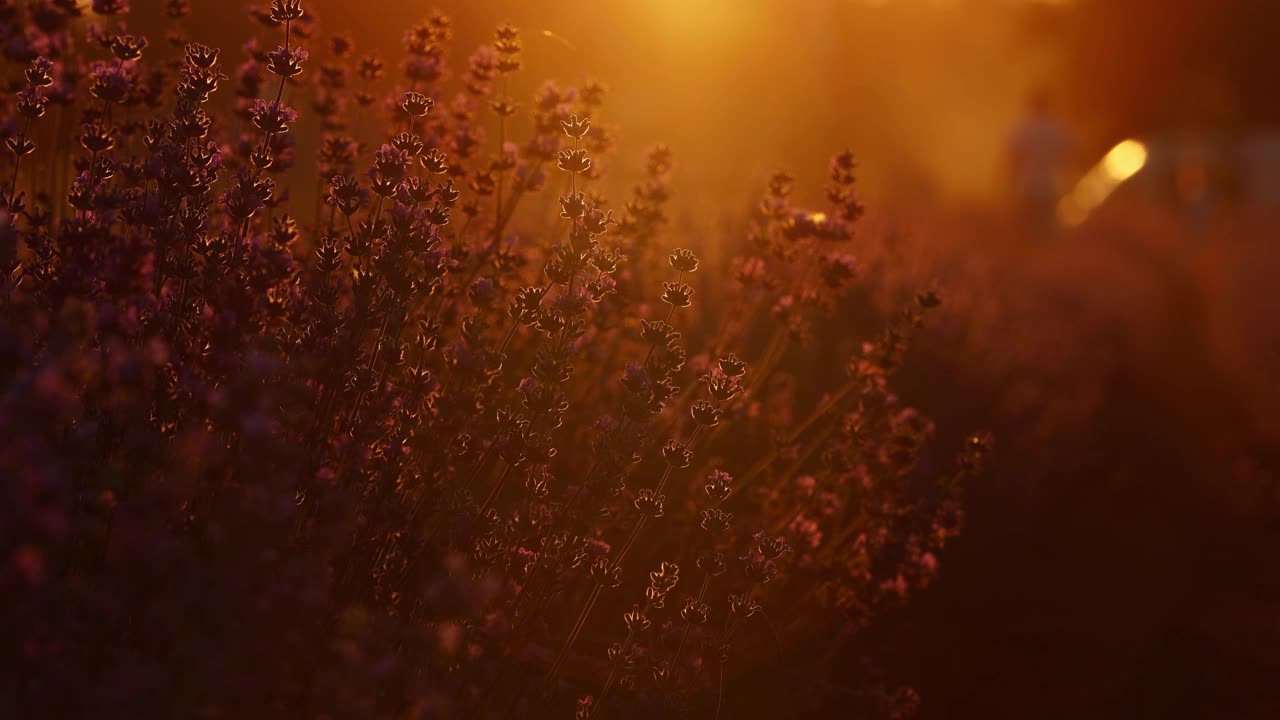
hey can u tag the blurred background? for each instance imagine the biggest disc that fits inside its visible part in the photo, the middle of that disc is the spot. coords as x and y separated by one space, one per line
1093 186
926 92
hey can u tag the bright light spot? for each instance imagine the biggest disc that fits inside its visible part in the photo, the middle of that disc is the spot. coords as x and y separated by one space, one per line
559 38
818 217
1121 163
1125 160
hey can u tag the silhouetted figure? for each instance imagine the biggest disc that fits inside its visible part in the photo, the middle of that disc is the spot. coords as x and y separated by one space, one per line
1038 149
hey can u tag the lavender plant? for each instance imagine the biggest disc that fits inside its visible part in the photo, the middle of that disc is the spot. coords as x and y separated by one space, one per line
396 459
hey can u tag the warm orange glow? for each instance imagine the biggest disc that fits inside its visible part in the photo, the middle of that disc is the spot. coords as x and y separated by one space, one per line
1120 164
1125 160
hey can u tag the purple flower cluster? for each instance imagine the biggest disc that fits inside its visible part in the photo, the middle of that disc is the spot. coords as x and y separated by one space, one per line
396 459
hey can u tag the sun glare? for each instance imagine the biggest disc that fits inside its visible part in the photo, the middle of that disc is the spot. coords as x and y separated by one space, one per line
1120 164
1125 160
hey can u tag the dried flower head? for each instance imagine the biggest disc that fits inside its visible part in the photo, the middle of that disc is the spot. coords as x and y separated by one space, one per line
283 11
286 62
715 520
415 104
40 72
576 128
706 413
676 454
127 47
649 503
635 619
677 294
683 260
573 160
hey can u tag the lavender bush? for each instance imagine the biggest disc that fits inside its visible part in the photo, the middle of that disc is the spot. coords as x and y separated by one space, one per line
422 451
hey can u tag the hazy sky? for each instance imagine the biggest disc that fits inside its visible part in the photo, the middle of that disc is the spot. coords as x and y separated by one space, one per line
923 94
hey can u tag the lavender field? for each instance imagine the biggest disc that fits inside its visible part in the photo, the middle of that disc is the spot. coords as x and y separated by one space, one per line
390 362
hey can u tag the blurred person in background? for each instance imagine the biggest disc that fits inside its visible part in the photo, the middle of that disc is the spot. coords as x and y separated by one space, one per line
1038 150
